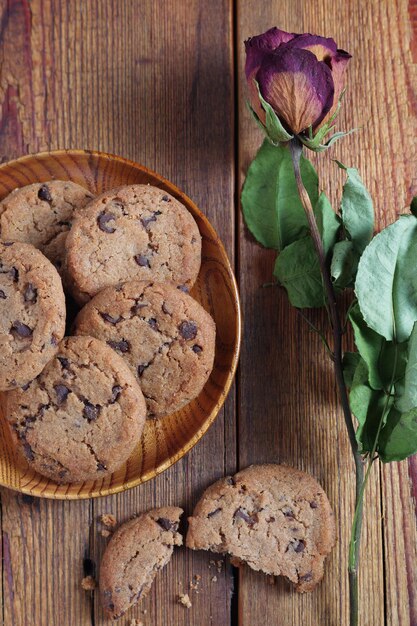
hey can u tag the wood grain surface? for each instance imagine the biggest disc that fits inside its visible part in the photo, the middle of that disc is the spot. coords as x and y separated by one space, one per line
162 83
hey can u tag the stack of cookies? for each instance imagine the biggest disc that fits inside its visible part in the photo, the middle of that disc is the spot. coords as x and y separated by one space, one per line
141 346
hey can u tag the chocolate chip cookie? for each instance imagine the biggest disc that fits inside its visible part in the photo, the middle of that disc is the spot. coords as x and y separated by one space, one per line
83 415
276 519
32 313
133 232
134 555
165 336
41 214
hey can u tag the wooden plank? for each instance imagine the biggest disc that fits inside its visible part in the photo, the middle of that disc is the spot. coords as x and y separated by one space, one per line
134 78
291 398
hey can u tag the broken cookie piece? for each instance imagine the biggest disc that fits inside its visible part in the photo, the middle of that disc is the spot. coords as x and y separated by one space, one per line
274 518
133 557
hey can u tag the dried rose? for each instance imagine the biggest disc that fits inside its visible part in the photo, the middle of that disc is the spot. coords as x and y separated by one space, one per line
299 78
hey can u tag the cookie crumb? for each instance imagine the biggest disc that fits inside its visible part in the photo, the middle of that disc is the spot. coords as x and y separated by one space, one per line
195 582
108 520
214 579
88 583
217 564
135 622
105 533
184 599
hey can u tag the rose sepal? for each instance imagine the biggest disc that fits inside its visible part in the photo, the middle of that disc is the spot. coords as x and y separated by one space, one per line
273 127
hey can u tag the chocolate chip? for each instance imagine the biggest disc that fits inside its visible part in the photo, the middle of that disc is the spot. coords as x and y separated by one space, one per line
28 452
215 512
64 223
61 393
7 244
230 480
25 387
54 340
137 307
103 222
271 519
313 504
14 273
166 198
142 260
197 349
122 345
153 323
62 473
30 294
111 320
165 309
166 524
183 288
91 411
188 330
64 362
115 393
242 514
20 330
2 295
297 545
147 220
44 194
287 511
141 368
306 577
101 468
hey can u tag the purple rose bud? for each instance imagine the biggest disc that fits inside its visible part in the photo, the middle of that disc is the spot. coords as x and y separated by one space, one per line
300 76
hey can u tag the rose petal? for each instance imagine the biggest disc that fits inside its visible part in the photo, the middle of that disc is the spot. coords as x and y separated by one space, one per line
297 86
256 48
338 66
323 48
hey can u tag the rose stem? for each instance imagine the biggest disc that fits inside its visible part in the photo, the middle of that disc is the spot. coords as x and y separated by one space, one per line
296 149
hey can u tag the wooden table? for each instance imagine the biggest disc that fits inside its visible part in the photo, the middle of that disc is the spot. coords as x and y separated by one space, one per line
161 82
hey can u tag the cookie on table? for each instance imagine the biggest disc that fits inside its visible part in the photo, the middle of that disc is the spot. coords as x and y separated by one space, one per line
41 214
32 313
276 519
82 417
134 555
133 232
163 334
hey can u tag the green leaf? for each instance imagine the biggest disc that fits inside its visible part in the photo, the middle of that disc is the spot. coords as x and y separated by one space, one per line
357 210
271 206
275 130
350 363
386 282
406 394
369 344
344 264
380 356
328 222
367 405
297 269
398 439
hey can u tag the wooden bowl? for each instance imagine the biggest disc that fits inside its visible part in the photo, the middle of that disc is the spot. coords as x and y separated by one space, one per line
166 440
